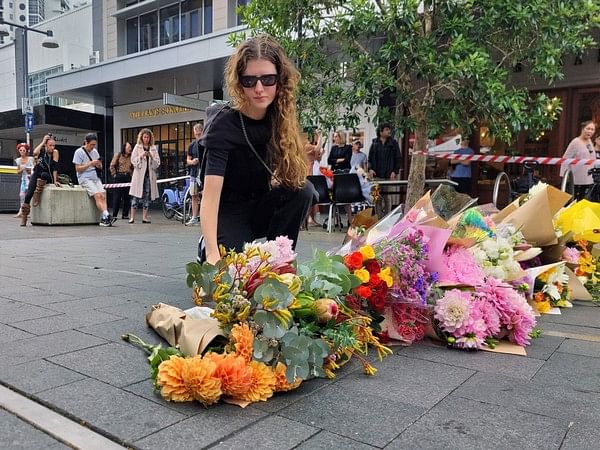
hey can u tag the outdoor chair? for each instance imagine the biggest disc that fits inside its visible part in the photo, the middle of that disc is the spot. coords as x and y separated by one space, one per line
346 191
320 184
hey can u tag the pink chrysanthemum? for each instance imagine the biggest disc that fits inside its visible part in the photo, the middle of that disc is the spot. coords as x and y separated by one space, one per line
453 311
459 266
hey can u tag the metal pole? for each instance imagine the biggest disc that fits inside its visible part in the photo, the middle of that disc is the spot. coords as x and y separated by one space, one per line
25 72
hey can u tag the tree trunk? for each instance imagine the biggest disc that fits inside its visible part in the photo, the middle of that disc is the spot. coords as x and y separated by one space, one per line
416 175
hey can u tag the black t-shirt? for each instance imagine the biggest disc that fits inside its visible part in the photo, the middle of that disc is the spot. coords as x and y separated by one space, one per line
228 155
195 150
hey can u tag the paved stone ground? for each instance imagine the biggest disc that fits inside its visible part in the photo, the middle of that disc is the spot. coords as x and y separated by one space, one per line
67 294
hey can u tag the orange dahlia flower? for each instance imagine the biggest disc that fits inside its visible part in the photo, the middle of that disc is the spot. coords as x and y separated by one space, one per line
263 383
203 384
171 381
233 371
243 339
281 382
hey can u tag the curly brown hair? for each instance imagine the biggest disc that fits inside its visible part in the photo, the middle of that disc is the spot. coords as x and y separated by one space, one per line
142 132
285 149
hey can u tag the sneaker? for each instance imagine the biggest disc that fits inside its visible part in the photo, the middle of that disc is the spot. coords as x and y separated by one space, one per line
105 222
193 221
111 219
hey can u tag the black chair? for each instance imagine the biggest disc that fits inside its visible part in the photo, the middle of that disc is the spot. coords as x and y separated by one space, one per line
320 184
346 191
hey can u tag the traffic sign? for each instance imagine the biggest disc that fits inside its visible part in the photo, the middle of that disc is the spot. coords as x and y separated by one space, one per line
29 122
26 105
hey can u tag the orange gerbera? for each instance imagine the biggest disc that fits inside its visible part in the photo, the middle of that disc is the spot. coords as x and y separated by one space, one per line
234 373
263 383
199 376
171 381
243 340
281 381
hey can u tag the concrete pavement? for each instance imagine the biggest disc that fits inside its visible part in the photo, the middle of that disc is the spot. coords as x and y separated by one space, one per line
67 294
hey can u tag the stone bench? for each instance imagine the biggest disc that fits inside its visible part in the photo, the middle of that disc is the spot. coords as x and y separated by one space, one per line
65 206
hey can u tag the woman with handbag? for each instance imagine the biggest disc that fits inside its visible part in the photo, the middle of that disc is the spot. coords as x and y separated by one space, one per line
255 174
121 170
145 161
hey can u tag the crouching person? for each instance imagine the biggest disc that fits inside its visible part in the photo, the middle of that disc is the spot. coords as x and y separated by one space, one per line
87 160
45 171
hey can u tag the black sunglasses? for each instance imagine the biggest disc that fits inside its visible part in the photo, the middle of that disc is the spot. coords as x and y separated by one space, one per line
249 81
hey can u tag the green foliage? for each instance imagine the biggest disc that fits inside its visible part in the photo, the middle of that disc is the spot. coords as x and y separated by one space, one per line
340 336
272 328
536 333
203 276
326 277
446 63
303 356
273 292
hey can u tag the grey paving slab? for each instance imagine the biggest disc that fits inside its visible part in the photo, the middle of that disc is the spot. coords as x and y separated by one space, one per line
544 346
328 441
410 380
14 311
131 310
569 330
113 363
146 390
63 322
113 331
37 376
207 427
580 372
350 411
17 434
457 423
273 432
40 296
582 436
83 291
511 365
578 347
87 304
580 316
119 413
30 349
556 400
10 334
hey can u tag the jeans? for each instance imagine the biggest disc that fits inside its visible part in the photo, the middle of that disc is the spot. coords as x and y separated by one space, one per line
145 200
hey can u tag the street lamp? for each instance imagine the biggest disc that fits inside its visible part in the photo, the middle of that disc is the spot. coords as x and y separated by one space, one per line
48 42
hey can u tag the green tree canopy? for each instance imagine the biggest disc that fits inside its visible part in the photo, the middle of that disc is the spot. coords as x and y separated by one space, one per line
444 63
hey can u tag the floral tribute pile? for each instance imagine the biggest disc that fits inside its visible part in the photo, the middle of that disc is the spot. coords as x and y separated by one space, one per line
473 282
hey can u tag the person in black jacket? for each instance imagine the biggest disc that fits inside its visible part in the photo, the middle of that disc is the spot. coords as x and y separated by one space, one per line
255 179
385 160
195 152
340 153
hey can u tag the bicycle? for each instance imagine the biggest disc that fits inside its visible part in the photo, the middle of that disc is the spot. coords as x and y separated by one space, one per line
177 203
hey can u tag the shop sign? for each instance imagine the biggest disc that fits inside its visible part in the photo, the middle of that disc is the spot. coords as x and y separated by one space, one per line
159 111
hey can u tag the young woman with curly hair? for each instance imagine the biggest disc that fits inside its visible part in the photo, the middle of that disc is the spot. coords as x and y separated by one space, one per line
255 169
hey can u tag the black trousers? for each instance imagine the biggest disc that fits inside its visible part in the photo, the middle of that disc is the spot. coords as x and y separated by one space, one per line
121 196
464 184
580 191
279 212
37 174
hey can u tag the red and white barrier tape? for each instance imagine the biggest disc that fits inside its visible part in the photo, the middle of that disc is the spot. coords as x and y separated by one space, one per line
512 159
164 180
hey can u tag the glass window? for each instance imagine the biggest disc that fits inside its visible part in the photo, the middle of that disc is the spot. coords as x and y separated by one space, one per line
132 36
208 16
169 24
190 18
148 31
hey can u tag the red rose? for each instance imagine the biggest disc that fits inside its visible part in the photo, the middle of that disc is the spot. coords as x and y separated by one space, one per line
377 302
374 280
363 291
353 261
353 303
373 267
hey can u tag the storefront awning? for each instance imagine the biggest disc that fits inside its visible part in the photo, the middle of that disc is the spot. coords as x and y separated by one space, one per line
183 68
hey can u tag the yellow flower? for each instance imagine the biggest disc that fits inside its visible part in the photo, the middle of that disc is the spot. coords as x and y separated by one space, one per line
293 282
199 376
171 382
243 340
367 252
386 275
263 383
543 306
282 384
283 315
369 369
363 275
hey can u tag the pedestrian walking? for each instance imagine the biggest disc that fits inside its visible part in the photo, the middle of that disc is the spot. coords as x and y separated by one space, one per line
583 148
121 170
145 161
195 153
24 164
255 180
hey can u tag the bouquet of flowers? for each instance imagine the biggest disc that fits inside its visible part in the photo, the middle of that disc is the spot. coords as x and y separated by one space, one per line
551 289
587 267
460 267
496 258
